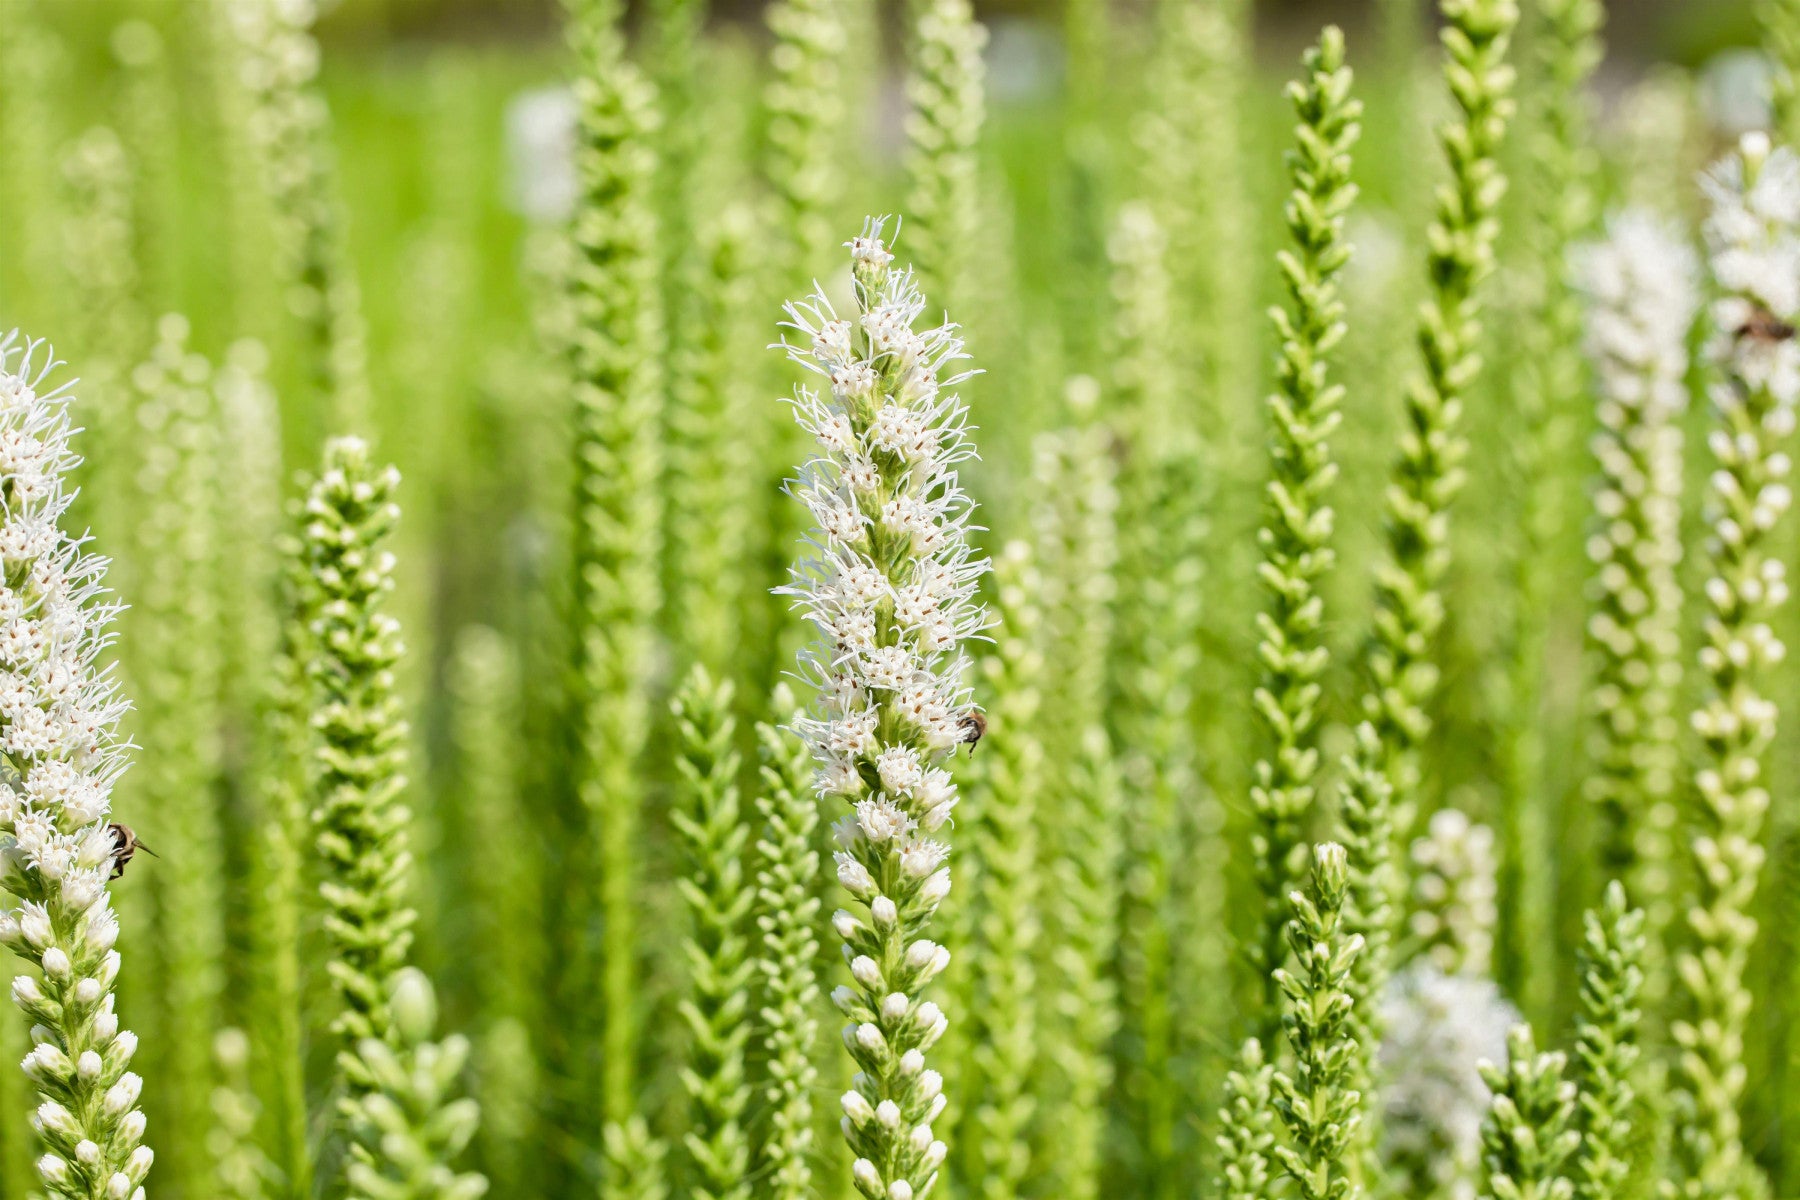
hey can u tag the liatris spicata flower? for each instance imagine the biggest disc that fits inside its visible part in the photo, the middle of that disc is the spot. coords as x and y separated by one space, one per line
291 132
57 849
1246 1140
891 592
1003 922
787 900
943 123
1426 477
1454 899
1606 1044
718 896
1753 237
1529 1135
1077 542
1296 534
713 498
173 656
805 109
1319 1103
1643 291
614 561
1438 1029
1162 526
1545 386
360 826
396 1081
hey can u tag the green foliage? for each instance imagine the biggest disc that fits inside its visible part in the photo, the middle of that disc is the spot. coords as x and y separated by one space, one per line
1246 1140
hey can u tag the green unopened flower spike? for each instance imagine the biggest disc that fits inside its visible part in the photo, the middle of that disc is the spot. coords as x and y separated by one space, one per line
943 123
1753 238
241 1171
1246 1139
360 827
57 846
805 107
396 1100
787 901
1004 923
291 134
1642 289
718 896
890 589
406 1122
1427 475
1319 1103
1606 1045
1297 527
618 460
1781 39
1529 1137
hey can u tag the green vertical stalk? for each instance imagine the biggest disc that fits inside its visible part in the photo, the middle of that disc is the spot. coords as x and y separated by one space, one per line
1246 1140
1384 772
1548 383
717 892
290 129
1606 1046
501 886
1752 235
1002 912
1077 539
174 659
805 105
1297 530
1781 39
1162 527
946 107
787 907
1642 288
614 362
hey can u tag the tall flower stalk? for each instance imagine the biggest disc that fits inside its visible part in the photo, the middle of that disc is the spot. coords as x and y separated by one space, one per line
1781 37
1753 238
943 124
805 105
1003 921
1319 1102
1081 816
396 1084
1246 1139
1606 1045
787 906
1162 526
57 848
1547 384
717 893
1384 768
291 135
174 661
617 448
1297 529
1642 288
890 591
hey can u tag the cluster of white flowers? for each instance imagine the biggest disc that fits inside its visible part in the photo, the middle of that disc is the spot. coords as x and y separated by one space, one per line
891 589
62 757
1440 1028
1455 893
